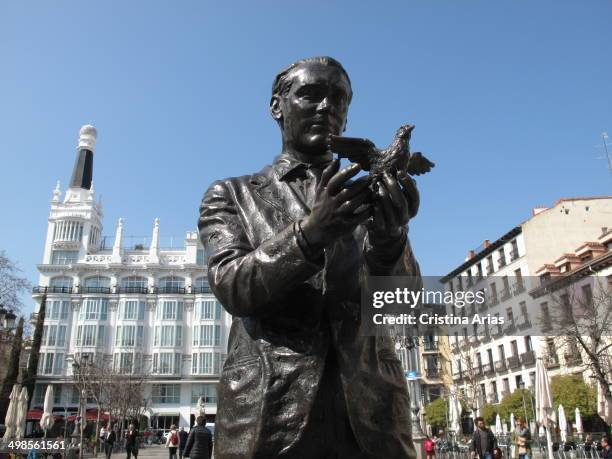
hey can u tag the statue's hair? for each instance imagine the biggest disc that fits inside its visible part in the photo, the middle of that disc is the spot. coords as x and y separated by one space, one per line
282 82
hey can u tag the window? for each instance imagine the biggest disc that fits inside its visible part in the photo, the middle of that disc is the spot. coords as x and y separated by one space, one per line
64 257
61 283
546 322
587 295
494 391
510 316
171 283
134 281
208 310
127 362
502 257
201 258
166 363
94 309
514 347
166 393
490 268
205 363
168 336
206 335
132 310
519 380
501 352
90 335
524 311
506 385
58 309
201 285
54 335
97 282
490 356
528 346
129 335
208 391
514 253
169 310
68 231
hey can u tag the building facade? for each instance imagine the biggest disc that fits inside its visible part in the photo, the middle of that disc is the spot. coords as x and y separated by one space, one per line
491 361
138 306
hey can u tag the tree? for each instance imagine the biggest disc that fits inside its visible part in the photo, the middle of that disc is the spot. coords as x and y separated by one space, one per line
518 402
13 369
11 283
572 392
489 412
29 379
436 414
582 319
469 395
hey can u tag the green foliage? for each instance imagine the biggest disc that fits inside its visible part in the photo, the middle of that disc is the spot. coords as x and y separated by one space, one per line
489 412
513 403
29 380
435 413
571 391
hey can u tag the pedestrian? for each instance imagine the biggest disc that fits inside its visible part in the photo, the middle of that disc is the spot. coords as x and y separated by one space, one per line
606 447
483 441
523 442
131 442
172 443
430 448
199 442
182 441
110 442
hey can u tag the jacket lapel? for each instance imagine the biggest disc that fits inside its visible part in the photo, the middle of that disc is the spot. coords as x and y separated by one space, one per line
280 195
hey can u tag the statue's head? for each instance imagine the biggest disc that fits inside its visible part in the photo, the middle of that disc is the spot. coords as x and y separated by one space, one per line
310 100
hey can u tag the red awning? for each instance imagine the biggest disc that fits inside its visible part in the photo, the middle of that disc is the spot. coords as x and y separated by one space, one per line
35 415
91 415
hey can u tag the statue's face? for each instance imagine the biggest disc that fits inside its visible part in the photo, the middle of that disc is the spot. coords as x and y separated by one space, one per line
315 106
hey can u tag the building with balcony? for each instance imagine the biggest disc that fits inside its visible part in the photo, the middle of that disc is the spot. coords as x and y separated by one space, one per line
138 305
492 361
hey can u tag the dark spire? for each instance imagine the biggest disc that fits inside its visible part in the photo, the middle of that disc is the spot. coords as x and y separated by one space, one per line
82 173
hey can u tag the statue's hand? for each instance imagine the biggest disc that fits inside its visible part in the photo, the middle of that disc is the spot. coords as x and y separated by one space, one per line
336 200
396 201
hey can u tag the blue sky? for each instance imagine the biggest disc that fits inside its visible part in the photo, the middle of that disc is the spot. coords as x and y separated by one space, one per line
509 99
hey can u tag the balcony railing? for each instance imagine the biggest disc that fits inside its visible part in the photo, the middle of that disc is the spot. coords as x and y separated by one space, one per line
133 290
551 361
514 255
432 373
518 287
573 359
202 289
492 300
96 290
171 289
528 358
500 365
514 362
52 289
504 294
487 368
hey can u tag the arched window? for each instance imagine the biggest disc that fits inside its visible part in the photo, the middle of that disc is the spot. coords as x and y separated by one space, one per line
133 284
201 285
172 284
97 284
61 284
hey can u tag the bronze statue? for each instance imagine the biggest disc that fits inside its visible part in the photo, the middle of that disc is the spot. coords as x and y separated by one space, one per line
288 248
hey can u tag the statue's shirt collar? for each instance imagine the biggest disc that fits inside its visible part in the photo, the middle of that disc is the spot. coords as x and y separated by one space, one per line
285 165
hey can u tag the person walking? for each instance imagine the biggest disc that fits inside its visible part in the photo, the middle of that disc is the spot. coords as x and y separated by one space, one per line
483 441
200 441
182 441
131 442
606 447
172 443
523 439
109 444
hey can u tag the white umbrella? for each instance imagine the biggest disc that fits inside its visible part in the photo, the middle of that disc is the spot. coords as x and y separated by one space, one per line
505 428
578 421
46 420
22 412
544 406
541 431
454 414
498 425
11 413
562 424
512 423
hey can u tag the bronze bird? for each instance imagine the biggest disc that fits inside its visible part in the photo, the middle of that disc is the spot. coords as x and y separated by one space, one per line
396 158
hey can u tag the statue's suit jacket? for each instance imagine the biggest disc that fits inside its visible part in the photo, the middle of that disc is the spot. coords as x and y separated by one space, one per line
288 313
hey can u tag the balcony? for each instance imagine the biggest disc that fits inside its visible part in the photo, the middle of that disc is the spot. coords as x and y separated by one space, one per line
500 365
42 289
528 358
573 359
551 361
504 294
171 289
432 373
514 255
492 300
504 393
488 368
143 290
502 262
202 289
104 290
514 362
518 288
478 371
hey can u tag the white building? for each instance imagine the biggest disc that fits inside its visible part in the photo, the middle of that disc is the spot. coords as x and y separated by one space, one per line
493 361
133 305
